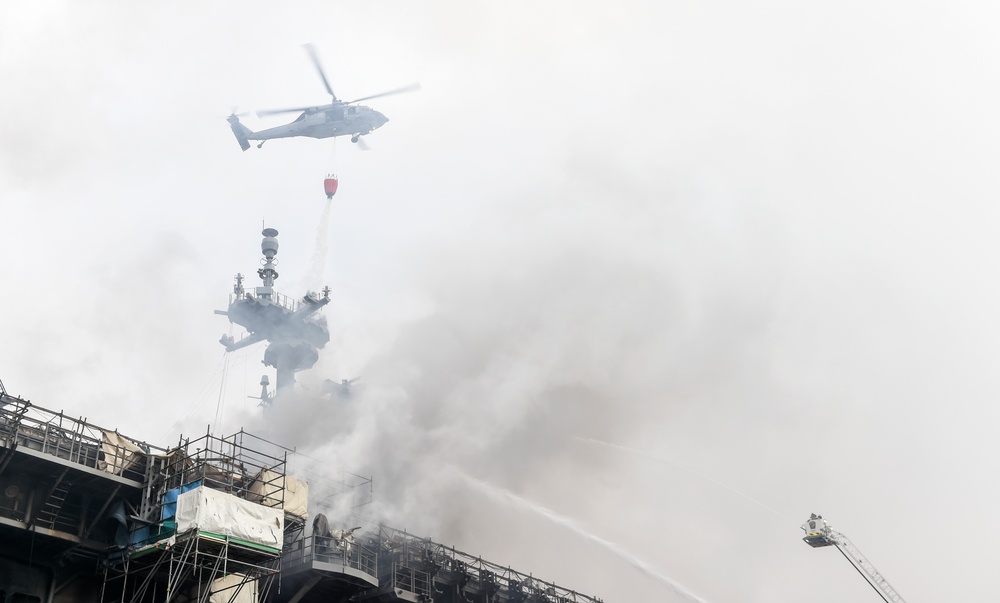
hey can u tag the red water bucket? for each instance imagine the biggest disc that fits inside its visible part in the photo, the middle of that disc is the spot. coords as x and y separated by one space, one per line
330 186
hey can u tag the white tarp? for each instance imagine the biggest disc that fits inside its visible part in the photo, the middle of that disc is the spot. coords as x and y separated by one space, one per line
220 513
224 588
120 453
266 490
296 497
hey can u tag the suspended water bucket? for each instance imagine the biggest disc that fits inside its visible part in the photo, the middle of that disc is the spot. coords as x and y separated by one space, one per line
330 186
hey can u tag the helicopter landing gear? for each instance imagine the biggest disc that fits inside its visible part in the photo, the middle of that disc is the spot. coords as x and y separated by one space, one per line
261 143
354 138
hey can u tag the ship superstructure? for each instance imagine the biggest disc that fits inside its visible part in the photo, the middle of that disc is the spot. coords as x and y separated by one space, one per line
294 330
90 515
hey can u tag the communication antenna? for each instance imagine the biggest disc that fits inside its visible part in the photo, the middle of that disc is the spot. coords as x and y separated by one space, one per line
265 397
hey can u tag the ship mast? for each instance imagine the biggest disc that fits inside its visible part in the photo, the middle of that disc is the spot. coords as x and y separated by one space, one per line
294 330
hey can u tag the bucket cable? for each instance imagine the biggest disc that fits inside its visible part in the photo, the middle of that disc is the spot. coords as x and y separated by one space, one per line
222 385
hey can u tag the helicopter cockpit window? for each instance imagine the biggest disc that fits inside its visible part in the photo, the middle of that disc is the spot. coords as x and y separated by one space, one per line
300 117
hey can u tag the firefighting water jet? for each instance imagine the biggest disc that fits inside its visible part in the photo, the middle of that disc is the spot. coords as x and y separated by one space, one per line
639 564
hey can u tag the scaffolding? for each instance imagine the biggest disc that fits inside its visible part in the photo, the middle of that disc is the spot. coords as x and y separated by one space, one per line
211 521
192 566
227 464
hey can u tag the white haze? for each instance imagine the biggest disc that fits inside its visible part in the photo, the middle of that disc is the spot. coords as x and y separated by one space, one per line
747 248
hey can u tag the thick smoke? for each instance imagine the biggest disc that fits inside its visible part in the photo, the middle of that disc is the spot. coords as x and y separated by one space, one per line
536 332
805 315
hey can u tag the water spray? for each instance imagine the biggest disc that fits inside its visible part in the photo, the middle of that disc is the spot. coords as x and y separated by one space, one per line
639 564
317 264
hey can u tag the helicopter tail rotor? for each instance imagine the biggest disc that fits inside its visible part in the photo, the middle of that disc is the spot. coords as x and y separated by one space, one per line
240 131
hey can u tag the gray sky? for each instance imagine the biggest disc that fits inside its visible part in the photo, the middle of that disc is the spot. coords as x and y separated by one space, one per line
634 287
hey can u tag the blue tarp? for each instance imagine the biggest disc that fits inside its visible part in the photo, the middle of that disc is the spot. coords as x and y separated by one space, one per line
168 510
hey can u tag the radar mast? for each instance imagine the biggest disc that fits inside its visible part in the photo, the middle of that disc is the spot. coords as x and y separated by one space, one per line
294 330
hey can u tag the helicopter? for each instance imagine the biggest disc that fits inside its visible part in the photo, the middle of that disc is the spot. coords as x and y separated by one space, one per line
338 118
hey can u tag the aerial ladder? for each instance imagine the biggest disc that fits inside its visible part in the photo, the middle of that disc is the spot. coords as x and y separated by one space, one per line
819 534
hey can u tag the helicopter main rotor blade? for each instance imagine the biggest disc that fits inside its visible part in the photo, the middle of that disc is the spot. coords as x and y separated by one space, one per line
410 88
315 59
279 111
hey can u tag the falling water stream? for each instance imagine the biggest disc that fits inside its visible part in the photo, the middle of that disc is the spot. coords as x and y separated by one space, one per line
317 264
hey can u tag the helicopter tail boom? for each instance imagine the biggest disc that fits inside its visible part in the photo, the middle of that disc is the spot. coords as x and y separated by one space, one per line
240 131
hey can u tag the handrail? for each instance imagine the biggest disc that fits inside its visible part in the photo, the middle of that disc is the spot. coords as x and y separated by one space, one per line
328 550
